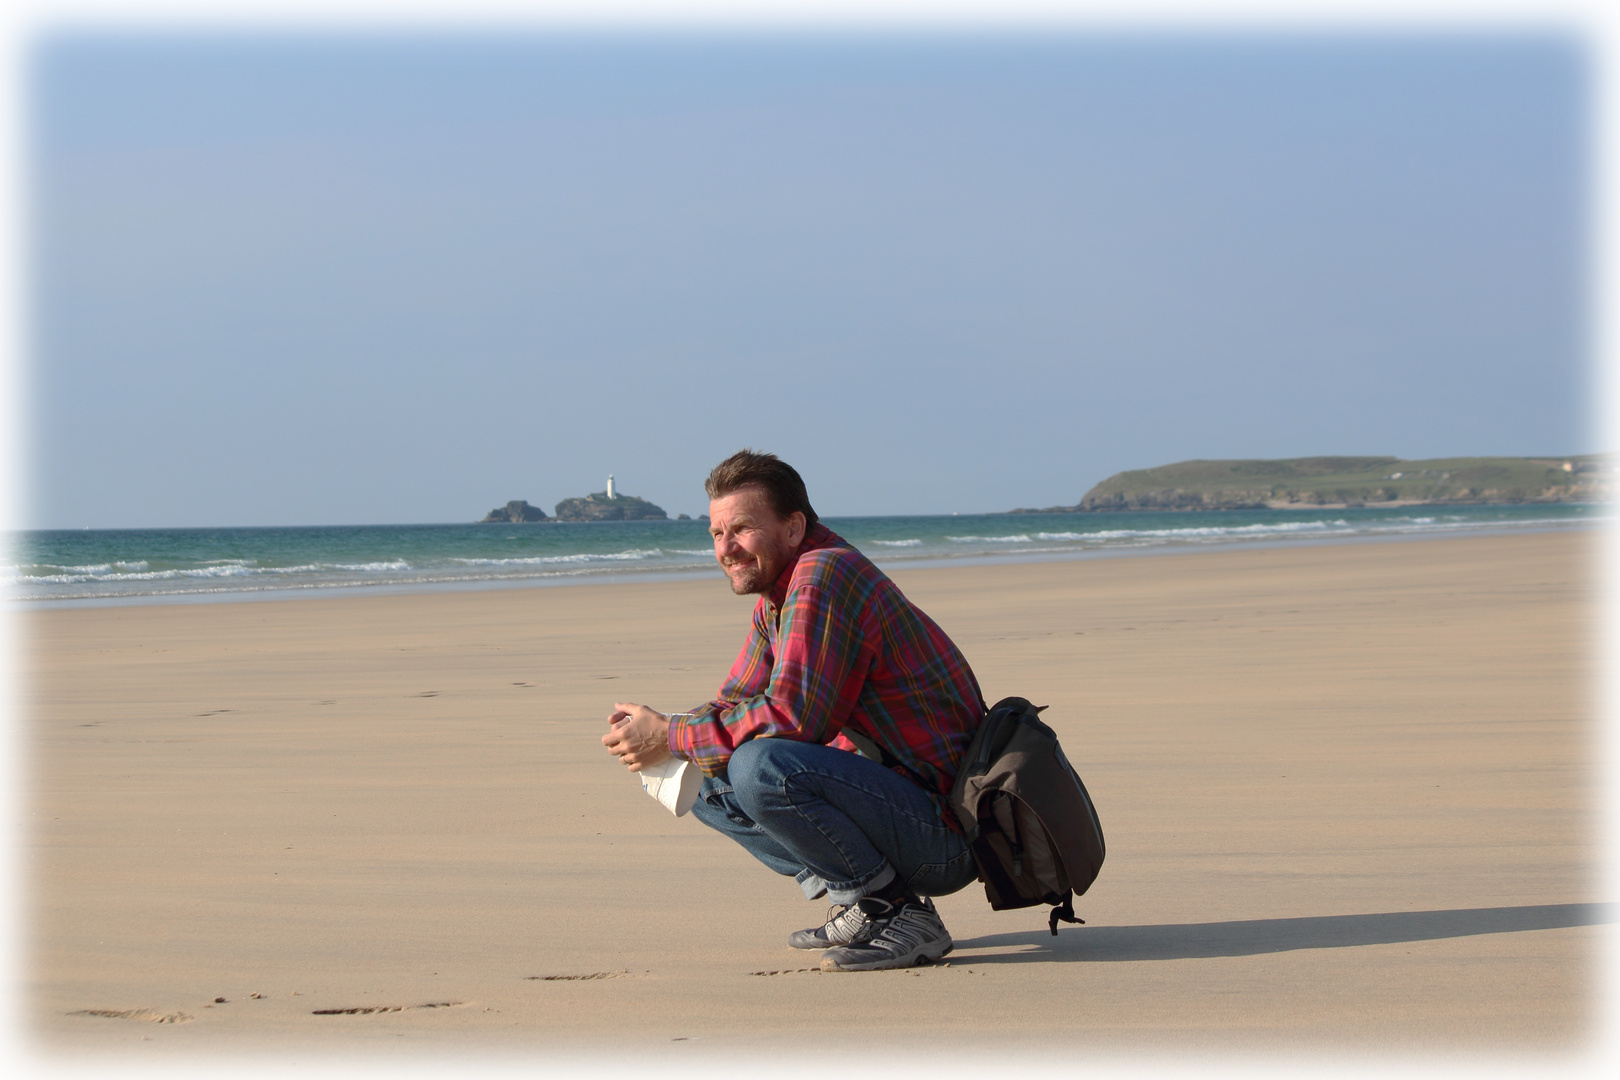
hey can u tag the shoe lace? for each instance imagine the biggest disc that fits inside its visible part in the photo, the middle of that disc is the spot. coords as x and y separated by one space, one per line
845 922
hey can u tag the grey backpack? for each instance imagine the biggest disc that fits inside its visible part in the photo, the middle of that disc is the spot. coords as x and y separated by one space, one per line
1028 818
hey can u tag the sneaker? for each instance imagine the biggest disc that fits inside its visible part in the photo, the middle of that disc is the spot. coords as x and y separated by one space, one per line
844 926
911 935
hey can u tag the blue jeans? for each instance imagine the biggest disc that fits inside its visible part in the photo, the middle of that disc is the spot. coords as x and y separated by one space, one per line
834 821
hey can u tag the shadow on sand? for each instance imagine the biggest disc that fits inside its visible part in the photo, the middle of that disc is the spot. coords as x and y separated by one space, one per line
1188 941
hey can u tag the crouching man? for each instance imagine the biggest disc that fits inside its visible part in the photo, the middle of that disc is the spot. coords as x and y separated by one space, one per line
836 738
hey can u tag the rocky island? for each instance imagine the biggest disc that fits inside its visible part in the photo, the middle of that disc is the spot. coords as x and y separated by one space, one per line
1348 481
515 512
606 505
609 505
600 507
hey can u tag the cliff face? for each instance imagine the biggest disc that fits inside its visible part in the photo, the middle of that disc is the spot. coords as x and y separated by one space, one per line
598 507
514 512
1349 481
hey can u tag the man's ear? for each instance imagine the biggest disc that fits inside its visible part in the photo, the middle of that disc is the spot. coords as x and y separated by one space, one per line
796 527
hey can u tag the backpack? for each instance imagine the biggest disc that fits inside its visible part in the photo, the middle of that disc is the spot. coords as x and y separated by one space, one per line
1032 826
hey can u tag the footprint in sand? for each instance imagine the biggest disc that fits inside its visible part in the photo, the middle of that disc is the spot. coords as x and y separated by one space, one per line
364 1010
150 1016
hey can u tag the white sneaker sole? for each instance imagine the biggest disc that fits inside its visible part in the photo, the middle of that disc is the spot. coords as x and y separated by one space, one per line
926 953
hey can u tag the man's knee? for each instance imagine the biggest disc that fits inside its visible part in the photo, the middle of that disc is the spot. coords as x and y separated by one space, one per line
757 770
752 771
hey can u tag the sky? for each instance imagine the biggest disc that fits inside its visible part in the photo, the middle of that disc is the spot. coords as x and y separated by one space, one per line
371 277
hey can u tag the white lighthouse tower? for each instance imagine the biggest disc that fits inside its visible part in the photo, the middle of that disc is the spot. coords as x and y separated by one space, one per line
610 485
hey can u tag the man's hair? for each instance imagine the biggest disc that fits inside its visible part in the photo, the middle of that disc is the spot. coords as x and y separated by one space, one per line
783 487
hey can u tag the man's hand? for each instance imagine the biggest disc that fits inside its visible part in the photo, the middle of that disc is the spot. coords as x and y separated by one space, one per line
638 736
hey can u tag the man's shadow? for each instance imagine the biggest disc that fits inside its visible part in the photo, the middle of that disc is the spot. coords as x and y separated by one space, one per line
1189 941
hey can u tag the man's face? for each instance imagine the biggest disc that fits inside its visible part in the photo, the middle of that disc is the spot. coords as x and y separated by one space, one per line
752 544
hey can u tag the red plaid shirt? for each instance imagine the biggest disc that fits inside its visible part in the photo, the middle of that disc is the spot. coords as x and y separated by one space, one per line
836 647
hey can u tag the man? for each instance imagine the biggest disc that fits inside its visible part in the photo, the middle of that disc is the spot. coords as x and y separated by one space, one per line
836 738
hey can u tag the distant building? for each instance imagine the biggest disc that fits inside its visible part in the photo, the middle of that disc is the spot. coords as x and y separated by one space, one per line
610 485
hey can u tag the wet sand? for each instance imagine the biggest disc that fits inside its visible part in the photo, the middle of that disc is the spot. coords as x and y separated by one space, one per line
1348 791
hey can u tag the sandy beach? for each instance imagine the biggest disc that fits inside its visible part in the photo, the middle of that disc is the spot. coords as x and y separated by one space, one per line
1348 793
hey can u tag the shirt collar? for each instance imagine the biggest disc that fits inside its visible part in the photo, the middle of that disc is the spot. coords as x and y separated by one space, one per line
818 537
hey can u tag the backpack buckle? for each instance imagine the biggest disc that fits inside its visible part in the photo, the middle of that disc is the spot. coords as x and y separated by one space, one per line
1064 911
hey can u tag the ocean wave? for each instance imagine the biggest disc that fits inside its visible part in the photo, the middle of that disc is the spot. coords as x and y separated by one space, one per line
146 575
1462 524
214 568
897 543
1220 530
1188 533
635 554
35 569
1212 533
420 579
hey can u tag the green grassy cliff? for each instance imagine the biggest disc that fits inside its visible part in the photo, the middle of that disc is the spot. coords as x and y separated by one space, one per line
1349 481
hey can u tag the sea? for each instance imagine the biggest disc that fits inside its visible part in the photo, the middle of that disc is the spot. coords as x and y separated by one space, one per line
111 566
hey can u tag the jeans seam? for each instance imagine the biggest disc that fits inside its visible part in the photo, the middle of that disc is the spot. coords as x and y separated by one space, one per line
853 883
935 825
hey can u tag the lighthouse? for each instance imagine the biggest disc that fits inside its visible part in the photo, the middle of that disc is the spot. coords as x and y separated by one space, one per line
610 485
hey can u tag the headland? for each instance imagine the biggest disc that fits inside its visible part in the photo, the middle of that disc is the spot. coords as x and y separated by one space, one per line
1292 483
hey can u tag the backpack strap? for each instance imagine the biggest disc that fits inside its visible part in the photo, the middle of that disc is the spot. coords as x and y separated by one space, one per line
1064 911
873 752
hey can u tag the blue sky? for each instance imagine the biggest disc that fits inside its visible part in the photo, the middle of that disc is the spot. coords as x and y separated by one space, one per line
380 277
